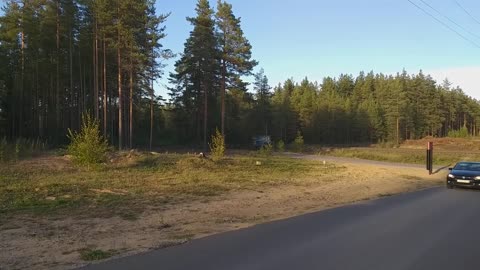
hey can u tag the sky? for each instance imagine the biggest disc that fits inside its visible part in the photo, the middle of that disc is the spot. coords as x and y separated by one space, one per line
319 38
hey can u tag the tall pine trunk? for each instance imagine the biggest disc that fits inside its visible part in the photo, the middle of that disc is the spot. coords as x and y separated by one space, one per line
104 87
205 117
57 93
131 106
71 79
37 107
120 100
152 97
81 95
22 78
224 71
95 70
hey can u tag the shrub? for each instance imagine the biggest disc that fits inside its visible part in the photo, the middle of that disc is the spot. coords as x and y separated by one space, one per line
17 150
266 150
461 133
3 150
298 143
87 147
217 146
280 146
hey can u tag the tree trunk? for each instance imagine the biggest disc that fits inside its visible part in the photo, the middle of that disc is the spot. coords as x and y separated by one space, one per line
224 71
81 95
72 95
398 131
95 70
131 106
120 101
22 78
57 95
205 117
104 87
152 97
36 121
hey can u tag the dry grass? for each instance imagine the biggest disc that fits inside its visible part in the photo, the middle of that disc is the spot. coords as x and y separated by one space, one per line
50 184
471 144
60 217
401 155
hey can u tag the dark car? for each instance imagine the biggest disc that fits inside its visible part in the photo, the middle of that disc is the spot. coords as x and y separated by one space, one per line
464 174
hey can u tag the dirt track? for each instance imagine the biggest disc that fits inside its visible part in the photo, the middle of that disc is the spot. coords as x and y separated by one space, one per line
344 160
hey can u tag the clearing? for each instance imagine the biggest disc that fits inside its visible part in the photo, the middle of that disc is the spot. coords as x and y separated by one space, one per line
54 215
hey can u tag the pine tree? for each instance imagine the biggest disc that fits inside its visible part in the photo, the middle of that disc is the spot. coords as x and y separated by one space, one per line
197 71
236 53
262 108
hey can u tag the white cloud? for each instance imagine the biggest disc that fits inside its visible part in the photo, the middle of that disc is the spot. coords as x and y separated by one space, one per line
467 78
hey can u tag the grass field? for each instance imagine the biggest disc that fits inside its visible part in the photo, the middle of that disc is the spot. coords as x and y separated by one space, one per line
50 184
402 155
55 215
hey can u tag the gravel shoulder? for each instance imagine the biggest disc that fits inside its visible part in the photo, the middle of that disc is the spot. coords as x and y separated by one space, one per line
346 160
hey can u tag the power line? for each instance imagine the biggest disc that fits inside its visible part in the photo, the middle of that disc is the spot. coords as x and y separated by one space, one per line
468 13
444 24
452 21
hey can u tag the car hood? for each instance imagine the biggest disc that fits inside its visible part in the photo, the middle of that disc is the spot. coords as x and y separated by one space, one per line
465 173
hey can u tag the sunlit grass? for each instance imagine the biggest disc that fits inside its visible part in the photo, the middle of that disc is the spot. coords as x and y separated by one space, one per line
146 179
412 156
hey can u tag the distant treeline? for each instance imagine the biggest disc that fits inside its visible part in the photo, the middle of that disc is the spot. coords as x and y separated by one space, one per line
61 59
370 108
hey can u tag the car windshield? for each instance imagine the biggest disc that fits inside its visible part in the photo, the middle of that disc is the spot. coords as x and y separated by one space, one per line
465 166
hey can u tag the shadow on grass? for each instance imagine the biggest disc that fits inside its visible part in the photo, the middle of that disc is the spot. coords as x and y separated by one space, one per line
152 162
441 169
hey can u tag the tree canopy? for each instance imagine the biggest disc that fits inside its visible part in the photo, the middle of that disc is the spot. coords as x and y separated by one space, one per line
64 58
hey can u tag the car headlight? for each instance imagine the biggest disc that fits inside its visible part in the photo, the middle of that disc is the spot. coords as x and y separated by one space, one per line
477 178
453 176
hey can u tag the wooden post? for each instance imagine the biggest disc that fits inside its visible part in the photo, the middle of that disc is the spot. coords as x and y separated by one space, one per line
430 157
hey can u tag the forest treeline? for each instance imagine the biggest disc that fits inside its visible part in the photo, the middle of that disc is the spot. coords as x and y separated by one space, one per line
64 58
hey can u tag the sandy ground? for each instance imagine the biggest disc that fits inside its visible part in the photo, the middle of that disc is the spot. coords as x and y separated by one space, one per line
55 242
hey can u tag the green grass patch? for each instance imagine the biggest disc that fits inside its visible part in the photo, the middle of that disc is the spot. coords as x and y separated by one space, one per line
95 254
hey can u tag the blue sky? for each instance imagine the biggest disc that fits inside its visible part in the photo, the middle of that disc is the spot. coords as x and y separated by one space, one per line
294 39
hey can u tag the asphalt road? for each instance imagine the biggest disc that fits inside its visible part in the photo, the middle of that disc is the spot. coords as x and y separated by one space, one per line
430 229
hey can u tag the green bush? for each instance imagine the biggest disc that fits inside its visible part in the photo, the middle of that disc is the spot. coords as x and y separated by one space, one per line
217 146
461 133
298 143
266 150
280 146
87 147
17 150
3 150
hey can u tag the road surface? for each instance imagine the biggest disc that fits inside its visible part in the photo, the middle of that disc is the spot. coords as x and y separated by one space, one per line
430 229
